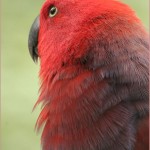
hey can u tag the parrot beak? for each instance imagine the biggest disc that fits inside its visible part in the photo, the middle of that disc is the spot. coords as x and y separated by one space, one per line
33 39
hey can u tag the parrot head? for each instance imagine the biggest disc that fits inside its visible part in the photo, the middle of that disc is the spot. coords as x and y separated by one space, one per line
65 31
93 57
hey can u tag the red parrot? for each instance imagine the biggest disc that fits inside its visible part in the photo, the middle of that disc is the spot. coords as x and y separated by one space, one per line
94 60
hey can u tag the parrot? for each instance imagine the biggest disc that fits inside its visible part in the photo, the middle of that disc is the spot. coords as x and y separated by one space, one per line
94 75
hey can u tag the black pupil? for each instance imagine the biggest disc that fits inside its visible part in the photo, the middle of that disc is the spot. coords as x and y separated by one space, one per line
53 10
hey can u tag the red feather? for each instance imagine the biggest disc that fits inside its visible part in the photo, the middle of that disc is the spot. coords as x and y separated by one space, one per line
94 74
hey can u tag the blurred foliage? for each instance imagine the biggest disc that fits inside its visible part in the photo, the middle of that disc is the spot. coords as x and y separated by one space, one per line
19 80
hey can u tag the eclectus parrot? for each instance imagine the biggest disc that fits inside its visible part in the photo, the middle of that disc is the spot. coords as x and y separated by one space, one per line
94 73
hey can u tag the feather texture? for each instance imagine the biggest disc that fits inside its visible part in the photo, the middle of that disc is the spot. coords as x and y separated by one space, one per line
94 75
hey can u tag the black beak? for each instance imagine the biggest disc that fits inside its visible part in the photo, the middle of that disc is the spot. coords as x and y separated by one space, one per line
33 39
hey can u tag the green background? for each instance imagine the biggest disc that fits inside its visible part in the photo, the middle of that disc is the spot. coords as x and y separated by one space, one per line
19 78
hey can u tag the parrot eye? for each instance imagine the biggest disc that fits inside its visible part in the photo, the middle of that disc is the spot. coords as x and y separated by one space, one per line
53 11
